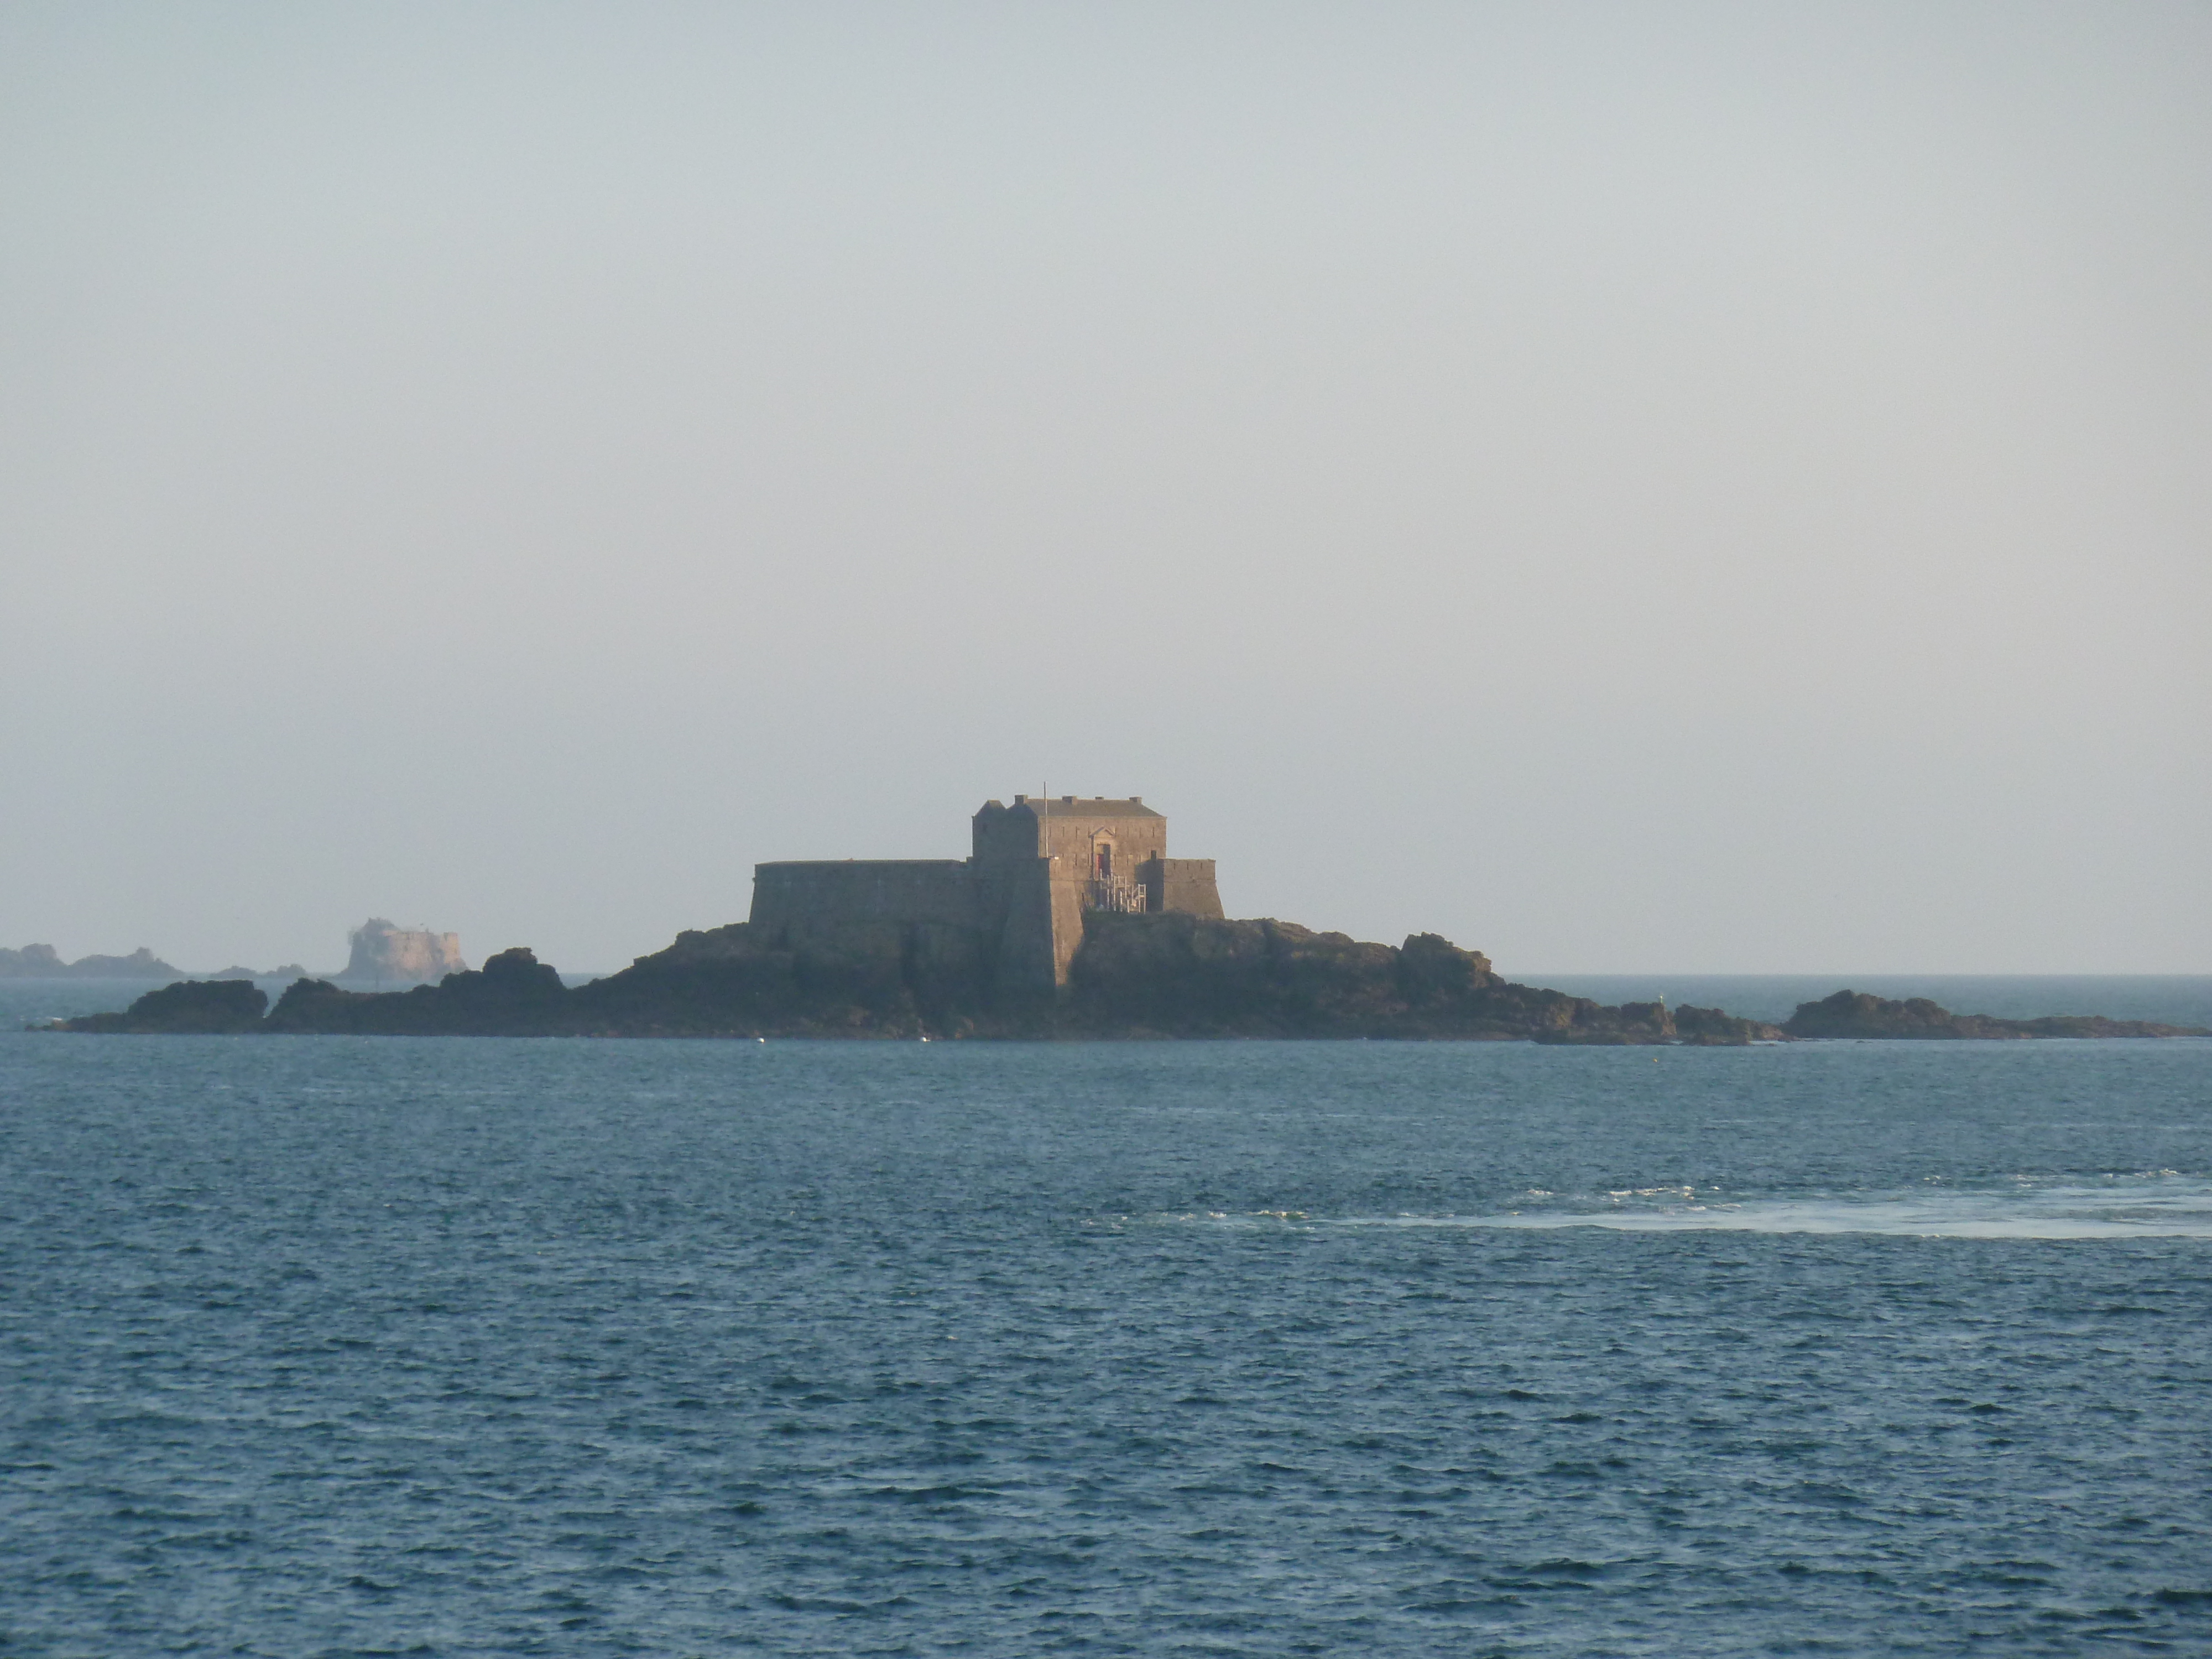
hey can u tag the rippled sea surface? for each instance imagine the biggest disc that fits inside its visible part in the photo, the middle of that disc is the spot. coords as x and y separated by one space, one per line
335 1346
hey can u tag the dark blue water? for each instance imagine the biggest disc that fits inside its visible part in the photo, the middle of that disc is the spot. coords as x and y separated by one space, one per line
347 1347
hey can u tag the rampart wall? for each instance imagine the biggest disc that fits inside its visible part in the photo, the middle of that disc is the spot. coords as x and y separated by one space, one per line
848 892
1186 886
913 912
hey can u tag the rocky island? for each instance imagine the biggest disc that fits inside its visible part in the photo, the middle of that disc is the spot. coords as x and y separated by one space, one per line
1068 921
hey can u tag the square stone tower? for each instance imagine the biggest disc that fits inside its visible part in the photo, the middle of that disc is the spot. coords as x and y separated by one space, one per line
1048 860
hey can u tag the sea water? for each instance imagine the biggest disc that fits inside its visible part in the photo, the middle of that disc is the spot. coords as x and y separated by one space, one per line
339 1346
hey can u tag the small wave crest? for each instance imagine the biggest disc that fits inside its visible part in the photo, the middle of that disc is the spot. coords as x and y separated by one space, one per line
2157 1204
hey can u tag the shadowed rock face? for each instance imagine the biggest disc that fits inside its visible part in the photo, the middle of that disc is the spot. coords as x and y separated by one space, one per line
217 1005
1142 975
1136 976
513 995
1857 1014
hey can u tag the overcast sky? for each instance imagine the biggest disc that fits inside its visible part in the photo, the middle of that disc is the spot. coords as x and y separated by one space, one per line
1714 488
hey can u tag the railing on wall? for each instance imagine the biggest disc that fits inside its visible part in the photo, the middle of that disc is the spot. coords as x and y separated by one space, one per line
1127 897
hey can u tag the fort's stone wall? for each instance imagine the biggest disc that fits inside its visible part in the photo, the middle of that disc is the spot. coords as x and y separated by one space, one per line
1184 886
848 892
919 911
1005 834
1012 914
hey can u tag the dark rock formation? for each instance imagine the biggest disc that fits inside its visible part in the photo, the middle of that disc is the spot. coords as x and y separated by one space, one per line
1136 976
1171 975
44 962
735 981
513 995
1855 1014
217 1005
1710 1028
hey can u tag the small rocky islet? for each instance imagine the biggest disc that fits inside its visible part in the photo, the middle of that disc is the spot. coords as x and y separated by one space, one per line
1138 975
1857 1014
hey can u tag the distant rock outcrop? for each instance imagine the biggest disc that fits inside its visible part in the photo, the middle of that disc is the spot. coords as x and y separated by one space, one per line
385 954
1857 1014
44 962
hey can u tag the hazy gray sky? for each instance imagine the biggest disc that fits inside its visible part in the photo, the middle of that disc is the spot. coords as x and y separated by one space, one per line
1688 487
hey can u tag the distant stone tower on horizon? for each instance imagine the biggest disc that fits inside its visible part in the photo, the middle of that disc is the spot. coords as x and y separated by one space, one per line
1011 911
385 953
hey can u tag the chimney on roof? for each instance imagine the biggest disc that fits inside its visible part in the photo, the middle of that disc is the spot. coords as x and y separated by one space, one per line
1068 800
1021 800
1136 800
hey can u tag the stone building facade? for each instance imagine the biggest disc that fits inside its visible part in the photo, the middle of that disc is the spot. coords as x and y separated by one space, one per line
1010 913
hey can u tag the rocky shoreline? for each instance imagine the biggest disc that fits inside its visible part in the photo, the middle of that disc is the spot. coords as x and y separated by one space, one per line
1135 976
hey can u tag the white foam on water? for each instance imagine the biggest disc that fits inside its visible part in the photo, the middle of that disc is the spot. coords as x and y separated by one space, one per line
2156 1205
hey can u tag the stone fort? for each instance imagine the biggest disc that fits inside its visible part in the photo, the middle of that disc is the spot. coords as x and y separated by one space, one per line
1010 913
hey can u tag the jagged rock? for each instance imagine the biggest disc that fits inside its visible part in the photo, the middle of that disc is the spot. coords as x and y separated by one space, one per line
215 1005
1857 1014
513 995
1187 976
734 981
1136 974
1709 1027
